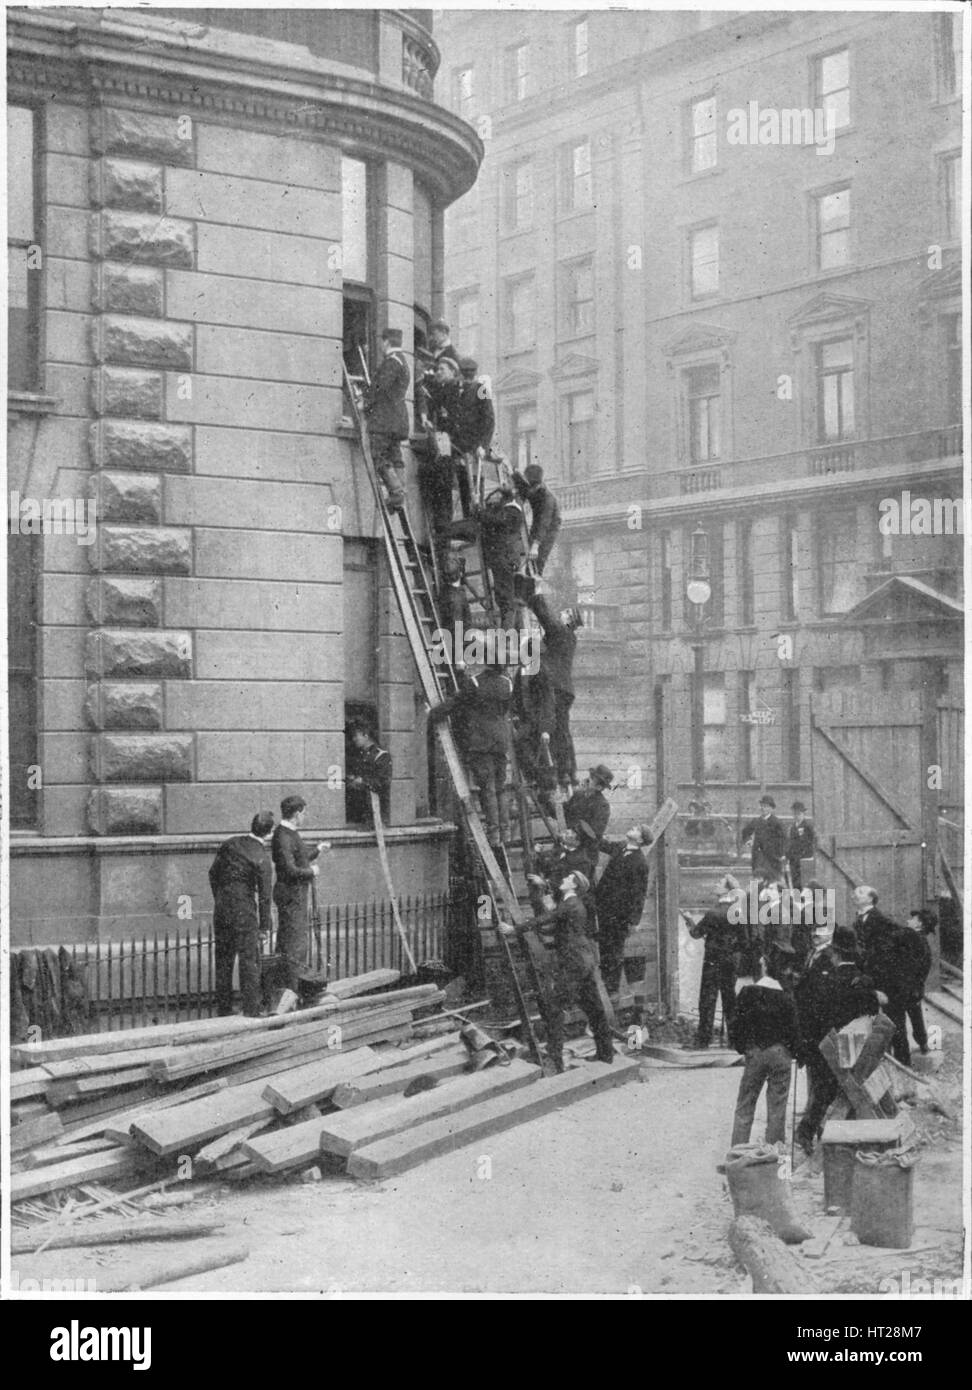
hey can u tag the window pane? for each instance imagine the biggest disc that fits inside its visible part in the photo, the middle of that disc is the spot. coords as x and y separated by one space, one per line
835 210
704 144
20 174
580 48
705 261
834 71
354 205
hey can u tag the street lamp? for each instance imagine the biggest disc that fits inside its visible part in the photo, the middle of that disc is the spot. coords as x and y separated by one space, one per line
698 591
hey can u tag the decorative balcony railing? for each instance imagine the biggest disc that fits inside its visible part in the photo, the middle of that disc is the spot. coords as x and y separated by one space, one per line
420 59
826 460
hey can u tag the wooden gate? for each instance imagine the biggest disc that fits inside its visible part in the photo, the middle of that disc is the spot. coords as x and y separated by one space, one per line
874 813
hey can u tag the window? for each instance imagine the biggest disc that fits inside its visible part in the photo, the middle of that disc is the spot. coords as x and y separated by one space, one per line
466 319
666 580
579 296
715 761
791 725
704 261
833 229
579 435
22 558
952 194
745 570
949 55
837 548
523 428
952 326
704 409
579 48
748 771
790 566
832 88
835 391
23 270
582 573
520 313
360 599
519 196
356 260
577 182
422 238
518 84
703 137
463 92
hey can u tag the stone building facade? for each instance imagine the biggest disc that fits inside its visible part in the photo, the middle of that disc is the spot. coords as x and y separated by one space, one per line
208 210
696 328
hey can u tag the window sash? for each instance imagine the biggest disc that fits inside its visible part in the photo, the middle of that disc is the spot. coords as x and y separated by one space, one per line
833 88
356 258
580 298
519 72
705 428
704 251
463 92
833 229
704 135
522 313
579 184
580 51
836 391
522 200
949 53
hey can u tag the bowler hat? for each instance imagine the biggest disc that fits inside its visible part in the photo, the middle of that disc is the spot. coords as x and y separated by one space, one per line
767 801
468 364
602 774
798 806
845 940
440 326
533 473
393 336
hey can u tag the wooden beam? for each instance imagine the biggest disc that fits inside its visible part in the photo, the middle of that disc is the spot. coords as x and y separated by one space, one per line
190 1126
114 1232
118 1126
289 1091
31 1132
361 984
60 1153
181 1267
774 1269
394 1080
399 1152
25 1084
120 1163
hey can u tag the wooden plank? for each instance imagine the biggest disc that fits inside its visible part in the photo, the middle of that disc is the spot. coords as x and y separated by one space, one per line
773 1267
190 1126
399 1152
341 1134
108 1104
60 1153
289 1091
175 1066
223 1146
118 1126
61 1093
299 1053
90 1065
181 1267
120 1163
870 782
394 1080
25 1084
112 1232
361 984
31 1132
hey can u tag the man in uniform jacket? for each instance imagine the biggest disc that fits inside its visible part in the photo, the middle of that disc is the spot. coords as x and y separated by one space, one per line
371 770
240 878
555 683
831 993
801 842
441 348
472 429
452 600
766 1031
482 705
437 469
577 979
293 862
723 942
544 513
552 867
769 841
387 415
588 812
504 548
619 898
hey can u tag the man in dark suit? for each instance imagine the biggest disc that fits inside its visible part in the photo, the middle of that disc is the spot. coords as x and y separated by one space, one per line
504 548
371 771
552 867
441 348
293 862
723 943
554 693
472 431
588 812
801 842
452 600
240 878
577 979
874 931
387 415
769 841
544 513
619 898
481 709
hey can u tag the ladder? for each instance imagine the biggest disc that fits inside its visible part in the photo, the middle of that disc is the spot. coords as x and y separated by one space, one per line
438 680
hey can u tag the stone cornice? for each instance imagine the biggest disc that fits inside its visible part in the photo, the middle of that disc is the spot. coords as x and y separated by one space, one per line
308 96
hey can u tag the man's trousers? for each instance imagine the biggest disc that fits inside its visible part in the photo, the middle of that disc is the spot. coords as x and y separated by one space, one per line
292 934
718 978
566 989
769 1066
230 941
489 771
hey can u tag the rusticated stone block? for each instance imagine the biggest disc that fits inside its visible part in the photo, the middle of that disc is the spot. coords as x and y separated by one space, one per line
141 342
132 444
125 810
121 236
142 758
127 183
124 705
129 497
166 138
162 655
117 600
132 550
128 289
124 391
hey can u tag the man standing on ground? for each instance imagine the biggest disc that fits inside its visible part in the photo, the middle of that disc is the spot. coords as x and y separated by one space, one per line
801 842
240 879
766 1031
769 841
619 898
387 416
723 940
874 931
293 861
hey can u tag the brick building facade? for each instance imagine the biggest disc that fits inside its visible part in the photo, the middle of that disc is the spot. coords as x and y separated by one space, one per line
693 331
207 209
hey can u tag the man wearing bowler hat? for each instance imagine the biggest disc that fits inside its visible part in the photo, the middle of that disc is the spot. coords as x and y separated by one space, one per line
801 842
619 898
588 812
769 841
544 513
387 415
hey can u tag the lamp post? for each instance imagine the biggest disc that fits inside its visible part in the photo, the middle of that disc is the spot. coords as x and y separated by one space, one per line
698 591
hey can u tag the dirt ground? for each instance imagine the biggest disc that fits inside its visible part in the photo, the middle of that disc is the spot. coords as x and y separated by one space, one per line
617 1195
